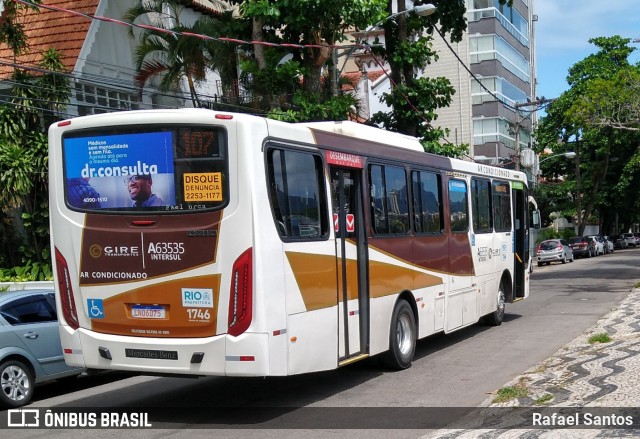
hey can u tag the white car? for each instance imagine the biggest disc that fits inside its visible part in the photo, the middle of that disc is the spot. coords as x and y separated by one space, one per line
609 246
599 244
630 238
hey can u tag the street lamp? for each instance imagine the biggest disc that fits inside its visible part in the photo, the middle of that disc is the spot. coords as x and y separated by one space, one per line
421 10
569 155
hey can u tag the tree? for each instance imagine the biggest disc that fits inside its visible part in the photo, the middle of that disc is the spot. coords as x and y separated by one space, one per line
316 24
306 30
569 126
24 120
11 29
171 54
611 102
413 100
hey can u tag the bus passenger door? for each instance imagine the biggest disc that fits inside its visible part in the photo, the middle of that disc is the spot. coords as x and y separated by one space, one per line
351 261
521 240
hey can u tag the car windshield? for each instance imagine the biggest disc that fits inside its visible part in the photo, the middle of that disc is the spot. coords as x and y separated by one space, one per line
549 245
577 239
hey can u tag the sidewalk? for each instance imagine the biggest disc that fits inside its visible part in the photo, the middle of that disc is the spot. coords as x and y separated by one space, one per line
580 377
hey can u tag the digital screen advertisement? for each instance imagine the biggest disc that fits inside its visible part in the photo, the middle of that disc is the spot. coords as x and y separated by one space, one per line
120 171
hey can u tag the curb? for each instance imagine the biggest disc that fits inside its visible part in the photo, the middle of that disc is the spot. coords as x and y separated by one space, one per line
588 374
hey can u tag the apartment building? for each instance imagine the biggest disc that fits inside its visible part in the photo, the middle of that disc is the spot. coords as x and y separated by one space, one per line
493 71
499 50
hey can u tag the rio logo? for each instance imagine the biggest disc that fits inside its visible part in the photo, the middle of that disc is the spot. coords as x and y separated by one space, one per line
197 297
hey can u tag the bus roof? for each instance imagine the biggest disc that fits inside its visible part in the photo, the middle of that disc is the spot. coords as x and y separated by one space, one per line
366 132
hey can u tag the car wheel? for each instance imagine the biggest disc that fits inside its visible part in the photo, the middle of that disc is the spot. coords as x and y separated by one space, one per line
564 259
16 382
540 264
402 337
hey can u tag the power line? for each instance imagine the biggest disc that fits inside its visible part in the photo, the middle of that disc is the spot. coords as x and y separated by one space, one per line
252 42
101 81
178 33
405 97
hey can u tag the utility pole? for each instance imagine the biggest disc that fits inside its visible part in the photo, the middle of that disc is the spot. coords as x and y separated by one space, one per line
518 106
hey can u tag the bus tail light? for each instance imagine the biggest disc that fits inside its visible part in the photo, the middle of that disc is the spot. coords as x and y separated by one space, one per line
241 295
67 301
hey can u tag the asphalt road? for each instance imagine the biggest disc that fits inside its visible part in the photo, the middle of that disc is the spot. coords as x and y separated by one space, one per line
456 370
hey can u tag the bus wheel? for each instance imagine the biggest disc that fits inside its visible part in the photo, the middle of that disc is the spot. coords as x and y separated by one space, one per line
496 317
402 337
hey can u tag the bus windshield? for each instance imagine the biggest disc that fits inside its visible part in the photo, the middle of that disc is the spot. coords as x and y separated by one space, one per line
149 169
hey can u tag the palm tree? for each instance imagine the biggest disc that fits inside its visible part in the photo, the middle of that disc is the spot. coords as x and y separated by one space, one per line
166 52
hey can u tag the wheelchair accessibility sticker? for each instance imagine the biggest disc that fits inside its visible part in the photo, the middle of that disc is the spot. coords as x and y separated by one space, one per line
95 308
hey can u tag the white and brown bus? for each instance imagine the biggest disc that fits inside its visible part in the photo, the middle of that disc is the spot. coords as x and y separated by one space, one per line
207 243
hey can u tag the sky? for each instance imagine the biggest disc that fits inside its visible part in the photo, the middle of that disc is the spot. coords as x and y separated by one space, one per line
564 28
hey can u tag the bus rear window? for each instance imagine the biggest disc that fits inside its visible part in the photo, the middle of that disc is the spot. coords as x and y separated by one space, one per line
146 169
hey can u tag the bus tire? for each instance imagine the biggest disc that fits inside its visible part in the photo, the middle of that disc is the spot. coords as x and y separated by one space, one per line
17 382
402 337
497 316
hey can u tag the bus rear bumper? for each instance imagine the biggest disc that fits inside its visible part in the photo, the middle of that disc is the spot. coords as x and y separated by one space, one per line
223 355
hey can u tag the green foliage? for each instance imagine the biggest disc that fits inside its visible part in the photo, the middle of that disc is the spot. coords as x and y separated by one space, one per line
415 106
29 271
277 83
24 210
598 119
511 392
413 101
316 108
175 56
550 233
610 102
601 337
11 28
544 399
314 23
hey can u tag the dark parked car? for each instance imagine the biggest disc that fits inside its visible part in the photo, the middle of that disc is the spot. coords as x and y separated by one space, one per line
619 242
552 250
583 246
30 350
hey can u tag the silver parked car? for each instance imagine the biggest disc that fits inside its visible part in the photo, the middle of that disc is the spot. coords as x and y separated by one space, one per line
552 250
30 350
630 238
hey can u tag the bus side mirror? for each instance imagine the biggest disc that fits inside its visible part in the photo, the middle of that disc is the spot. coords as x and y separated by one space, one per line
535 219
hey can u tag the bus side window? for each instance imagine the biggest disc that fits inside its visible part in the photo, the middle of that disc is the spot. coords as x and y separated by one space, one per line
427 202
389 201
458 206
481 205
297 193
501 206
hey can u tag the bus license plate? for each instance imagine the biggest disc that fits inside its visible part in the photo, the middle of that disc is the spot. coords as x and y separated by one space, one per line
147 312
